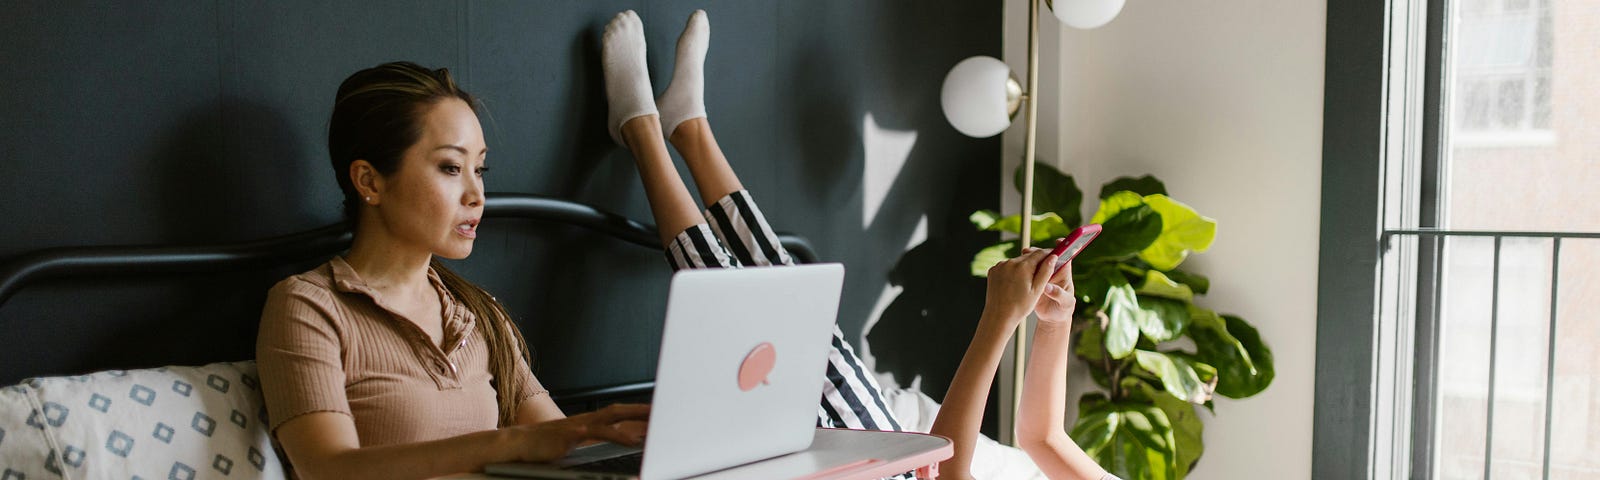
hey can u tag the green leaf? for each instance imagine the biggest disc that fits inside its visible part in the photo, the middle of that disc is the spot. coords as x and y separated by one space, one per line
1186 429
1162 319
1243 362
1124 234
1146 185
1115 204
1182 230
1213 341
1207 373
1091 283
1088 346
1100 378
1132 440
1177 375
983 219
1196 282
1088 431
992 255
1122 331
1046 226
1157 284
1053 191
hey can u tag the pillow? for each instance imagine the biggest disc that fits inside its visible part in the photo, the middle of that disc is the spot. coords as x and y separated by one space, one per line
24 452
169 422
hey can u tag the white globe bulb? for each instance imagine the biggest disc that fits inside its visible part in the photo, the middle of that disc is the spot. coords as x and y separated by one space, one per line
1086 14
974 96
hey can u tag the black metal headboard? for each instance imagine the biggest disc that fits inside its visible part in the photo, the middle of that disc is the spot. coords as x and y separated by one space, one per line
133 261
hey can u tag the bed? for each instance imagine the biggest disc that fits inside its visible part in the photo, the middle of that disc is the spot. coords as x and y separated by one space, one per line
79 419
130 263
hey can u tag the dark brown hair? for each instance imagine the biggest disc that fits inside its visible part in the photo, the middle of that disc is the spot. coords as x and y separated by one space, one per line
377 115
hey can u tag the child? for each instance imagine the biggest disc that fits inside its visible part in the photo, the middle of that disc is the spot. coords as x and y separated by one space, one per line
1017 287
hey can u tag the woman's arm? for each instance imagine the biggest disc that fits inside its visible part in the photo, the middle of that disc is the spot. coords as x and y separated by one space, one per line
1013 287
325 445
1044 393
538 409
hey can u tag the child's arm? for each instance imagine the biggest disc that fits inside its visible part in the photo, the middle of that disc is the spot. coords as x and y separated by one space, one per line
1044 394
1013 288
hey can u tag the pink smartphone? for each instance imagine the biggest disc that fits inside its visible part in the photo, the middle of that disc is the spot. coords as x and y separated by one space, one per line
1069 247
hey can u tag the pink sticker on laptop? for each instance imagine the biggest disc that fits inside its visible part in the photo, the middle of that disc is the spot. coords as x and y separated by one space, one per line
756 366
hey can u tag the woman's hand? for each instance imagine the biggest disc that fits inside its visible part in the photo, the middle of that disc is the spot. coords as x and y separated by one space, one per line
621 424
1015 285
1054 308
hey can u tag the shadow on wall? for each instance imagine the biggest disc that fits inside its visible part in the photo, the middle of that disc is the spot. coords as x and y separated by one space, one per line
585 113
925 331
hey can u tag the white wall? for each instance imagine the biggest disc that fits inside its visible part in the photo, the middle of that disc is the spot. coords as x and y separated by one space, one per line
1221 99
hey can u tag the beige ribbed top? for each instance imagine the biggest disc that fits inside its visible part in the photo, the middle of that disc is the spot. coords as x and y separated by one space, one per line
330 343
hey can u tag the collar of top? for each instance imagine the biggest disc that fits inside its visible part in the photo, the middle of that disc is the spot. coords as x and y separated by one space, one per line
457 318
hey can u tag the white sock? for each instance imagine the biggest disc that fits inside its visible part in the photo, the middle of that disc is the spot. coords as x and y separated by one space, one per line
685 96
627 80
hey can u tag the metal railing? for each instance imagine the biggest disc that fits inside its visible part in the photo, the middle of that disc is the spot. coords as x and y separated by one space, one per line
1429 318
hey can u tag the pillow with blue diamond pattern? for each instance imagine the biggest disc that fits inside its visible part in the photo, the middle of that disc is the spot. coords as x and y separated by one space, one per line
23 450
169 422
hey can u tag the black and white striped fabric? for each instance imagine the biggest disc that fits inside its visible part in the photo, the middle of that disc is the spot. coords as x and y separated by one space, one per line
851 397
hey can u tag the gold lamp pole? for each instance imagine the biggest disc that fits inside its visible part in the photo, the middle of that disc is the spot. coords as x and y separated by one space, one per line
1029 98
972 103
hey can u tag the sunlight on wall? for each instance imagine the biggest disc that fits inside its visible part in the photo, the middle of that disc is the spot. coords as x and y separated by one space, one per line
886 152
890 292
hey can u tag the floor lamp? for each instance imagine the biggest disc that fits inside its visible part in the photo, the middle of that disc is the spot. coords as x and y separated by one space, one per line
980 98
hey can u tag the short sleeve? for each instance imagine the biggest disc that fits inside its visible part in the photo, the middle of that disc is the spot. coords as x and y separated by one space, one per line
298 353
524 384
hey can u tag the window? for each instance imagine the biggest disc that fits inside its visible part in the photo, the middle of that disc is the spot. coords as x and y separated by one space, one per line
1461 342
1501 58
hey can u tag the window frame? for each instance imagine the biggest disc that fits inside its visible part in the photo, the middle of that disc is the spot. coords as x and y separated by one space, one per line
1386 136
1381 148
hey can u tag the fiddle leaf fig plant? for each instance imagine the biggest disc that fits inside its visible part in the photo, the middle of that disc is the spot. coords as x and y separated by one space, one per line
1135 308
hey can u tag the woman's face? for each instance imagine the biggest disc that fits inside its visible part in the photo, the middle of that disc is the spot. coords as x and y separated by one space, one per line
434 201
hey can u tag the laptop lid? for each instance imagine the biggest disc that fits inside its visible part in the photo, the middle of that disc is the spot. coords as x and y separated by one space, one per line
743 356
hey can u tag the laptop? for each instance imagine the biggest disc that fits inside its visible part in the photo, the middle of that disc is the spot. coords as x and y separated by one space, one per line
743 354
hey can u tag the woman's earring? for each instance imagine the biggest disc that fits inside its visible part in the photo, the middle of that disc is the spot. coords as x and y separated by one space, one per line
369 199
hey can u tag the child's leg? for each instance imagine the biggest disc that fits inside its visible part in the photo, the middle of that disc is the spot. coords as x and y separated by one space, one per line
851 397
633 121
677 215
733 214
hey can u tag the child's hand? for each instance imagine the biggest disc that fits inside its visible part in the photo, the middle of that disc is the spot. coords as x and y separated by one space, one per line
1015 285
1060 298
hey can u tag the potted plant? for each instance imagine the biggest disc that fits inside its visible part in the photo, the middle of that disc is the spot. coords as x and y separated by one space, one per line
1135 305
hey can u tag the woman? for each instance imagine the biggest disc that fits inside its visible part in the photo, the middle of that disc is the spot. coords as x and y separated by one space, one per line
382 363
1017 287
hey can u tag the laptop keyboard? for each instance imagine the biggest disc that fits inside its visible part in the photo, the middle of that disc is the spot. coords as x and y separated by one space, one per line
629 464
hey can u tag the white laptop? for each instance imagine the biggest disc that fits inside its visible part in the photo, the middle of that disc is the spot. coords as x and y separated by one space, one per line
743 354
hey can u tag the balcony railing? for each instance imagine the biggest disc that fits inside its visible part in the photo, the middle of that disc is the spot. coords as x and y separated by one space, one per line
1414 286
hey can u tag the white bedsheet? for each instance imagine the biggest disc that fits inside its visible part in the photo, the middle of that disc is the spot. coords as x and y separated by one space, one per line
990 460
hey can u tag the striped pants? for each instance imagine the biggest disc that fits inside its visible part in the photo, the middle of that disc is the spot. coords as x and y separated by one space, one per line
850 396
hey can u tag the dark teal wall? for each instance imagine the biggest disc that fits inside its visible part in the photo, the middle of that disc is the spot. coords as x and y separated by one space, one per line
189 122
